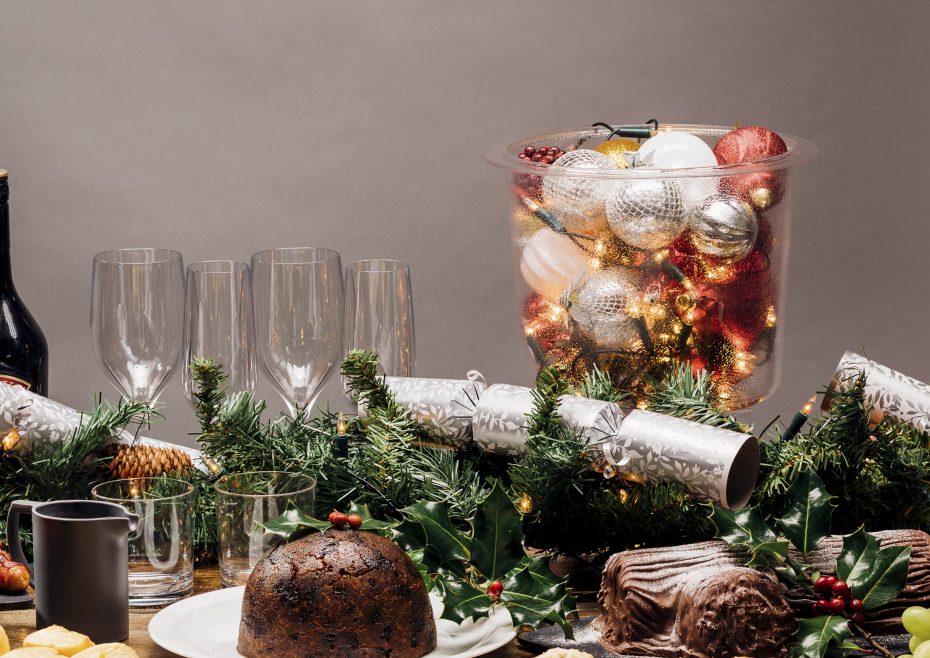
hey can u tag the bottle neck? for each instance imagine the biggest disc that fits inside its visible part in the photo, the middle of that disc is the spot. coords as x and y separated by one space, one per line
6 271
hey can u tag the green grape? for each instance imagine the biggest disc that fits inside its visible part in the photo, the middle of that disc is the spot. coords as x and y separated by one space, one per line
916 621
923 651
915 642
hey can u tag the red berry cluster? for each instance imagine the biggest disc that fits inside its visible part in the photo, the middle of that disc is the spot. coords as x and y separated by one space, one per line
543 154
339 520
495 590
841 600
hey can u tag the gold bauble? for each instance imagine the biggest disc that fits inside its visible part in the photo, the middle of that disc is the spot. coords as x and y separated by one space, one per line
614 148
525 222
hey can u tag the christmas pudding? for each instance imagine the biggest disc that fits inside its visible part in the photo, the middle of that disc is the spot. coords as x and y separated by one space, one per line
338 593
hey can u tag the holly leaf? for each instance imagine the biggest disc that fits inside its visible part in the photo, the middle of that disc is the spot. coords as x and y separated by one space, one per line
807 520
532 602
818 635
762 551
293 523
498 539
368 521
462 601
449 543
885 579
745 528
856 559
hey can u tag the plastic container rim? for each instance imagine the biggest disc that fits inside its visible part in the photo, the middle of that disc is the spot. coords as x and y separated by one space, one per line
504 155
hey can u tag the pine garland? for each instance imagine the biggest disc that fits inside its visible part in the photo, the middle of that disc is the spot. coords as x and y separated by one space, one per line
572 509
879 475
67 468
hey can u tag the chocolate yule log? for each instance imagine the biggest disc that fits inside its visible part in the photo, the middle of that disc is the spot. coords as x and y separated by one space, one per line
693 600
701 600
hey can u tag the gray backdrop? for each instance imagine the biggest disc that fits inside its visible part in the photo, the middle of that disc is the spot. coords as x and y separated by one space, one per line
222 127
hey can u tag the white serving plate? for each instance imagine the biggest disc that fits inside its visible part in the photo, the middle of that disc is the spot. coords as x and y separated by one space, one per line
207 626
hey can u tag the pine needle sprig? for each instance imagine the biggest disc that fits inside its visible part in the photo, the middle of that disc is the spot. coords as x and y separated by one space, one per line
693 397
208 390
598 385
360 368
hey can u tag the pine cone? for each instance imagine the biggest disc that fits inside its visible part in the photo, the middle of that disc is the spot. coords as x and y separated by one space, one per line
138 461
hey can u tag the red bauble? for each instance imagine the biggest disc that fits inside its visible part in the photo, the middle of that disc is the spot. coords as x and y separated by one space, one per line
762 189
748 144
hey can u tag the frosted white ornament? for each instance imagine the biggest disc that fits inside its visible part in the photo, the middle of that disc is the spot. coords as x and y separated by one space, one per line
724 227
681 150
676 150
576 195
647 213
551 262
599 303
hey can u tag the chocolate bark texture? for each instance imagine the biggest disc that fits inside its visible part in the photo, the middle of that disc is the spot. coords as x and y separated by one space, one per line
701 601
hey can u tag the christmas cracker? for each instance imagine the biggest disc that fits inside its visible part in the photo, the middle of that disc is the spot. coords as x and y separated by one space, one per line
501 418
41 420
888 392
711 462
443 406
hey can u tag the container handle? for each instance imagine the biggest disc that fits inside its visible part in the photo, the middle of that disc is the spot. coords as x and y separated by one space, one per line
18 508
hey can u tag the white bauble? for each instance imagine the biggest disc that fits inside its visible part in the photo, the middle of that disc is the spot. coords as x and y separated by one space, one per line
551 262
681 150
576 195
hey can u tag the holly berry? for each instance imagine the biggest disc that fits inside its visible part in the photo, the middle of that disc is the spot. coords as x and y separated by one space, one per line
495 589
841 589
355 521
338 519
837 606
859 617
544 154
821 584
831 580
856 606
331 515
822 606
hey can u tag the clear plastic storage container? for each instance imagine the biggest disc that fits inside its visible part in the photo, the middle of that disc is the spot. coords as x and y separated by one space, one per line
632 260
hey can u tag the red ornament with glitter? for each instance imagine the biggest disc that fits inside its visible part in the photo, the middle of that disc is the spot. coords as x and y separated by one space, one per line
764 189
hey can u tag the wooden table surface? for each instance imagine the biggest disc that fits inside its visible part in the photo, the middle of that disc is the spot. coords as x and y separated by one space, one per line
19 623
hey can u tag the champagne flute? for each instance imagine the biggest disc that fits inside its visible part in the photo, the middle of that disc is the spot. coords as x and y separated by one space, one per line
136 317
298 299
379 313
218 322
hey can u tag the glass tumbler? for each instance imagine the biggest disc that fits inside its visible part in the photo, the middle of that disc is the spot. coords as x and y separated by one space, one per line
245 501
161 554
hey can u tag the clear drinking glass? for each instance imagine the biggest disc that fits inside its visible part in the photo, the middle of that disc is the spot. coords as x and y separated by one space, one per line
218 322
137 303
379 313
245 500
297 293
161 553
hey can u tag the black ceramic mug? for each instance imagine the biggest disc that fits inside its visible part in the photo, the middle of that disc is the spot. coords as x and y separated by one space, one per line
81 572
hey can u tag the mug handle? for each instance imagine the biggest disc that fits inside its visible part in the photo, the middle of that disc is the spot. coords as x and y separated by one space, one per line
17 508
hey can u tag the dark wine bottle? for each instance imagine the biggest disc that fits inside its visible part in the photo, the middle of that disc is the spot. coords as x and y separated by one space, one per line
23 350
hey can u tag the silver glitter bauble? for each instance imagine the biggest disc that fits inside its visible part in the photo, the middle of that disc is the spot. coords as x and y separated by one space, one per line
724 227
599 303
647 213
576 195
